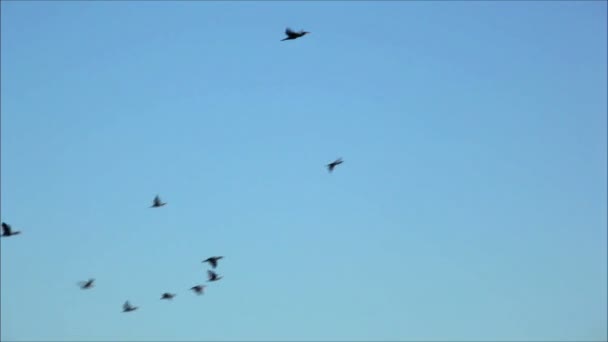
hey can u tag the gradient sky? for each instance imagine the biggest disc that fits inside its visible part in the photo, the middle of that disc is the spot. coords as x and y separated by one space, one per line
471 204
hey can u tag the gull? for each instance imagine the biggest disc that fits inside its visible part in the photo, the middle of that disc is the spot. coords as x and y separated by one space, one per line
127 307
157 202
6 230
213 276
86 284
291 34
168 295
213 260
198 289
333 164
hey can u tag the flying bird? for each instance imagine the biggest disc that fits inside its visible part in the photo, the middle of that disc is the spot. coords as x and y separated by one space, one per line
168 295
333 164
86 284
7 231
291 34
213 260
157 202
213 276
127 307
198 289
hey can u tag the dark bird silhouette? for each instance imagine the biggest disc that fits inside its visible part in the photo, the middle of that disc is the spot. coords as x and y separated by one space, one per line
198 289
157 202
333 164
213 260
86 284
168 295
7 231
291 34
127 307
213 276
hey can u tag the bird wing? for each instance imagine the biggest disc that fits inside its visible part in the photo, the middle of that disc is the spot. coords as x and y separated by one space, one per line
211 274
6 229
289 31
213 262
126 305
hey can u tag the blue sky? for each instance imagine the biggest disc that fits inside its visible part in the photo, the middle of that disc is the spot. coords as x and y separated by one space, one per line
471 204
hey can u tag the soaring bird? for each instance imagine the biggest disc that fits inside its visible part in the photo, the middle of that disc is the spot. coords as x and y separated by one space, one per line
213 260
6 230
198 289
168 295
291 34
127 307
86 284
157 202
333 164
213 276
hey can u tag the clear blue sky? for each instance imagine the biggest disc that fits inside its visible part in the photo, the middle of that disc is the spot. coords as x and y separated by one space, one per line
471 203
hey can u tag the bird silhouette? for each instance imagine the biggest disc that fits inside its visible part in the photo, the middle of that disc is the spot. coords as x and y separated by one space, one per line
168 295
157 202
7 231
213 260
86 284
127 307
198 289
333 164
291 34
213 276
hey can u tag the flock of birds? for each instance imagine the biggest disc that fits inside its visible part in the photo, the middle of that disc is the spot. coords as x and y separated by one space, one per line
7 230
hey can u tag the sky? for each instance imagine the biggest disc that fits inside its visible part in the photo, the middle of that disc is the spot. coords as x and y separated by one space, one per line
471 204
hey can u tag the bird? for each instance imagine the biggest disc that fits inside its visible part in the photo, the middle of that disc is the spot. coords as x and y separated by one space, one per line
333 164
213 260
168 295
294 35
157 202
213 276
127 307
6 230
198 289
86 284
